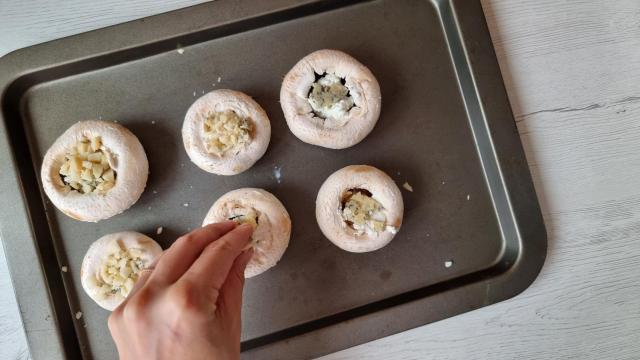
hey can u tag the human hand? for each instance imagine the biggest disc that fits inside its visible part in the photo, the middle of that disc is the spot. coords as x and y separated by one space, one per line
188 306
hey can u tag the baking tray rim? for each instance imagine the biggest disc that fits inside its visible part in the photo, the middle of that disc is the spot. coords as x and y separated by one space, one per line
16 227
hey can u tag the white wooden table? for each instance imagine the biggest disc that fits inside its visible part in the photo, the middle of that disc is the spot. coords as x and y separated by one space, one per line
572 71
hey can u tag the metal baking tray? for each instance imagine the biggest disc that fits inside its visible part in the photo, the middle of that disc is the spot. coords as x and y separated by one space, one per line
473 234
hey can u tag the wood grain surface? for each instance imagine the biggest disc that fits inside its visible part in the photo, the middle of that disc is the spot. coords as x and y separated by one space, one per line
572 71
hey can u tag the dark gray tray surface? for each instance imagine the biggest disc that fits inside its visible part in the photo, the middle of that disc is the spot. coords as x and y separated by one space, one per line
423 137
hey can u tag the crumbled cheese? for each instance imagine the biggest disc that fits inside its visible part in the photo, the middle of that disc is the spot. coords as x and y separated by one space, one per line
448 264
249 216
185 204
64 269
407 186
329 98
219 79
119 271
245 216
159 230
86 168
78 315
226 131
364 214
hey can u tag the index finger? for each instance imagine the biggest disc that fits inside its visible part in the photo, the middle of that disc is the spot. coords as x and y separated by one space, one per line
177 259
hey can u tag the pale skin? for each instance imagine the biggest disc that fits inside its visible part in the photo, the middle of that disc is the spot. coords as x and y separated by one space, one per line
188 306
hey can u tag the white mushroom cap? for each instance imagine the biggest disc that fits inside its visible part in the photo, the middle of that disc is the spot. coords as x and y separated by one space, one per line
329 207
270 238
330 133
98 253
219 101
126 157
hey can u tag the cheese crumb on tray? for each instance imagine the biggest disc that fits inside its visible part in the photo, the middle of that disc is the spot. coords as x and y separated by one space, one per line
407 186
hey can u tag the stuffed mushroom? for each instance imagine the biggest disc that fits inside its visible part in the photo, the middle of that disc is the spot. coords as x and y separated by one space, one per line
94 170
113 264
331 100
267 215
225 132
359 208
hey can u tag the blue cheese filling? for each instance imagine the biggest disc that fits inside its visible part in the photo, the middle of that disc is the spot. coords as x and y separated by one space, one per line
363 213
86 168
249 216
329 97
119 272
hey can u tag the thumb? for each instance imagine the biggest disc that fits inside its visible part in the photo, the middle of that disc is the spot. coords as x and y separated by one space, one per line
230 298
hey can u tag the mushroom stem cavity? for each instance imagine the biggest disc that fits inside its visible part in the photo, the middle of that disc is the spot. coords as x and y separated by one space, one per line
86 168
362 212
246 216
329 97
226 131
119 272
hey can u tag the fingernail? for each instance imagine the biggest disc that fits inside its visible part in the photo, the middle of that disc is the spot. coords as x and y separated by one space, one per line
225 224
